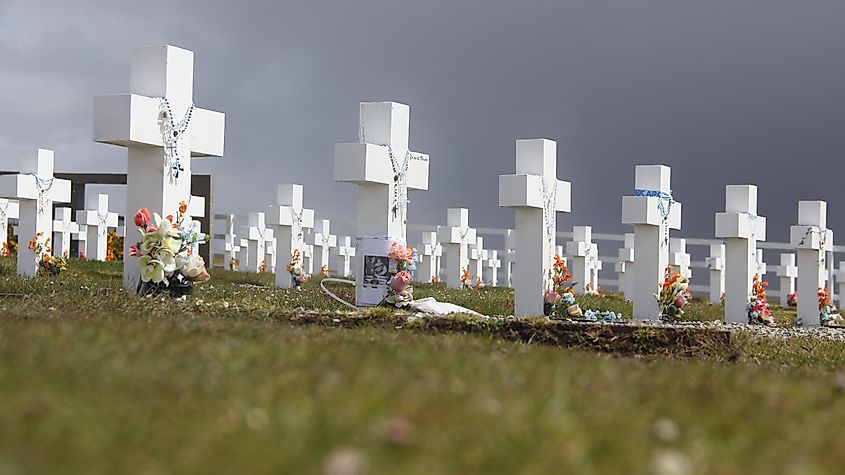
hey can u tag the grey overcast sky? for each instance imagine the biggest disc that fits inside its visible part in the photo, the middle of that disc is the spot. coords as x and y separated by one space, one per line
724 91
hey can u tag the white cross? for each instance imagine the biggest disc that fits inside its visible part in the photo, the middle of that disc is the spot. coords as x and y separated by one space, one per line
839 275
81 237
8 210
596 266
538 196
345 252
625 266
430 252
493 266
812 240
679 257
257 235
715 262
98 220
63 230
323 242
477 256
787 272
455 238
160 102
308 259
383 167
653 212
740 228
510 256
289 219
36 189
580 253
762 268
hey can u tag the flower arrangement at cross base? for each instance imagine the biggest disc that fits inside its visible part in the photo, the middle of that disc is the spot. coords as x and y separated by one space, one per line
434 279
758 308
479 284
674 295
114 247
792 299
465 278
401 292
167 265
47 263
297 275
262 267
324 271
589 290
559 302
234 263
5 250
827 311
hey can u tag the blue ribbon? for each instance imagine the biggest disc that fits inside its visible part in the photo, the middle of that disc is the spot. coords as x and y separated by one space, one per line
656 193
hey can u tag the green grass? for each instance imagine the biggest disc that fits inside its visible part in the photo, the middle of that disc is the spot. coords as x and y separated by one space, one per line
94 381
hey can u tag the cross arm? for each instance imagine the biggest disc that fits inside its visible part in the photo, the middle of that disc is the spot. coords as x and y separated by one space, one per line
132 119
526 191
369 163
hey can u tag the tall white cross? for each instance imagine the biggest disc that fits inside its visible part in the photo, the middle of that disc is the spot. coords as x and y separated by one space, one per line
653 212
345 252
98 220
477 256
537 196
715 263
455 238
323 242
63 230
625 266
679 257
289 218
36 189
8 210
580 255
430 252
741 228
787 272
162 130
383 167
257 235
812 240
493 266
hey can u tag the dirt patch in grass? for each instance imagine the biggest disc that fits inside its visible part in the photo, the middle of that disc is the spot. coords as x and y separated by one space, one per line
621 339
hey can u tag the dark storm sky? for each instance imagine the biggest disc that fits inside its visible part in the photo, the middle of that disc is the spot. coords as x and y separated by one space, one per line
724 91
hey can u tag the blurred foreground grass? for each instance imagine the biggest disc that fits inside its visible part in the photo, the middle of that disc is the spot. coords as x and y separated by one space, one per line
94 381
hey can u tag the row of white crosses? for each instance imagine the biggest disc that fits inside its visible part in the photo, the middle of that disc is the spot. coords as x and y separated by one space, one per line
583 260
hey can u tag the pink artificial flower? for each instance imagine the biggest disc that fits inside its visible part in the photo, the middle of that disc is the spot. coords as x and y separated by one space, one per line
551 297
401 281
133 250
142 217
400 253
680 301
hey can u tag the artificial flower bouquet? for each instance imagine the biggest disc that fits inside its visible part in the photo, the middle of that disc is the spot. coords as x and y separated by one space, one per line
167 264
401 292
297 275
560 299
465 278
792 300
47 263
758 308
828 315
673 296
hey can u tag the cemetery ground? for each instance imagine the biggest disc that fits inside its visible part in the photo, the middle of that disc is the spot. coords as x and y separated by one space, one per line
241 377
